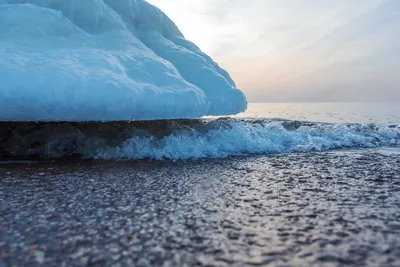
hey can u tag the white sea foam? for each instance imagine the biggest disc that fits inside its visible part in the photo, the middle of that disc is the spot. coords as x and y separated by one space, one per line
243 138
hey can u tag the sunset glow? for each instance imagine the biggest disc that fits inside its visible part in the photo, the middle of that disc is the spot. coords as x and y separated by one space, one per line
298 50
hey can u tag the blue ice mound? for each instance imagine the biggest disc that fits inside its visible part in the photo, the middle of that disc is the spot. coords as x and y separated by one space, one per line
104 60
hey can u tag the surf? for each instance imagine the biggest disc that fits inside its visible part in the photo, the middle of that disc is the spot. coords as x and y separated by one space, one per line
186 139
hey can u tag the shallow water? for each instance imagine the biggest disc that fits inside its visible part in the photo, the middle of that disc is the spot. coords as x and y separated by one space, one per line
187 139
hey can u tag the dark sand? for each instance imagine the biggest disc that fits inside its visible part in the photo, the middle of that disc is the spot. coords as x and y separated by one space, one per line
316 209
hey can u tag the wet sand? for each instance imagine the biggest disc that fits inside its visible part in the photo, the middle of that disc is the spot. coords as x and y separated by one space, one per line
317 209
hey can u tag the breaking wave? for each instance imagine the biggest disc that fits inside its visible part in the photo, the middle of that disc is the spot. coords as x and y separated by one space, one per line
187 139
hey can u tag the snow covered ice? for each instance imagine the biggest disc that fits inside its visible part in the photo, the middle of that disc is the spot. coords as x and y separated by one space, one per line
104 60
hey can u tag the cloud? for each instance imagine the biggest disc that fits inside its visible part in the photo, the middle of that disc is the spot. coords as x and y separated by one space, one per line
306 48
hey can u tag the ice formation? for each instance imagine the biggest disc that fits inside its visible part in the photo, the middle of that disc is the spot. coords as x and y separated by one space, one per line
104 60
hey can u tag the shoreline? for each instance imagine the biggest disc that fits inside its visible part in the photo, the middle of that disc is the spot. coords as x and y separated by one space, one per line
18 161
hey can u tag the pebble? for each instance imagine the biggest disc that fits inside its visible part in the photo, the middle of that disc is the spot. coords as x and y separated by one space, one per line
145 213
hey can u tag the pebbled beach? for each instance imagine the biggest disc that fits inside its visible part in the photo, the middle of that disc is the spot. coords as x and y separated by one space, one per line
339 208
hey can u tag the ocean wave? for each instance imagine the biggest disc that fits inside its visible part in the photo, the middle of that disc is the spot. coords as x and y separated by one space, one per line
187 139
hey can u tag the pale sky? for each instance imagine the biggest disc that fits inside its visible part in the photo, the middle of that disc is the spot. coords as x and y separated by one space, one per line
299 50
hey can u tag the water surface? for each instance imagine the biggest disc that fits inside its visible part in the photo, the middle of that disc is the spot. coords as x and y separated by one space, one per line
334 112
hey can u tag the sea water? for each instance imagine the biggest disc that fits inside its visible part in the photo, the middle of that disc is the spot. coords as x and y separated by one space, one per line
332 112
269 128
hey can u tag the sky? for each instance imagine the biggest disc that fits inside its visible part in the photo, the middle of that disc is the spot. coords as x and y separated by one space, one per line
299 50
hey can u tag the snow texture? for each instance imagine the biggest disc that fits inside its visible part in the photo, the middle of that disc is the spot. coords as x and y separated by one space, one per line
104 60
